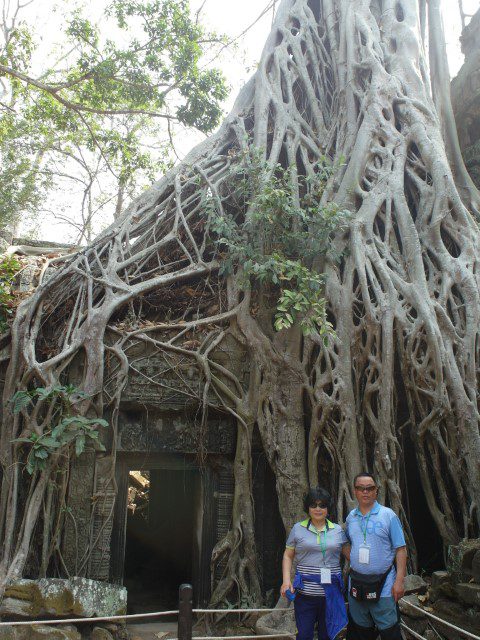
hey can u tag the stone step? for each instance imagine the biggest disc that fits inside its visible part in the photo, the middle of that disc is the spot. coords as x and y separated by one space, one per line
468 593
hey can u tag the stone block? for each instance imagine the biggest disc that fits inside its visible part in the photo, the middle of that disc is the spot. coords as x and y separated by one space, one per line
40 632
278 621
67 632
476 567
442 586
439 578
415 584
407 610
449 609
468 593
17 608
99 633
57 597
460 559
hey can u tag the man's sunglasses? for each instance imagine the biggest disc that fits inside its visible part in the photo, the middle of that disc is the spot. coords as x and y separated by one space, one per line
368 489
318 505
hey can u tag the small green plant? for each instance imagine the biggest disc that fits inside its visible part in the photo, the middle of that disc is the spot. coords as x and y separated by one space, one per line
9 267
67 430
278 234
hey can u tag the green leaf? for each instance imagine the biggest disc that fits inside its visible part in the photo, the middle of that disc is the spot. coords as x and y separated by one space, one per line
79 444
49 441
43 393
20 400
67 437
100 421
59 429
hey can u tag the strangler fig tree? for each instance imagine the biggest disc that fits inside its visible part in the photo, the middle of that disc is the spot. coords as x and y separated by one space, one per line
342 83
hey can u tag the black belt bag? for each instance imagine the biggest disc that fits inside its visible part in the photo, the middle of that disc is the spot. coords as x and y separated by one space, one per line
367 587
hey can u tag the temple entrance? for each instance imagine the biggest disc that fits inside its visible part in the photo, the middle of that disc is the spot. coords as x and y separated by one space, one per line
161 521
162 534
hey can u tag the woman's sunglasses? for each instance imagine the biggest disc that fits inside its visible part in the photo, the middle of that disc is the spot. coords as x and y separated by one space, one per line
318 505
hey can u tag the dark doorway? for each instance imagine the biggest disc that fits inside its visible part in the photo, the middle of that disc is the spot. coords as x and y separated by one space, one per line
427 538
159 545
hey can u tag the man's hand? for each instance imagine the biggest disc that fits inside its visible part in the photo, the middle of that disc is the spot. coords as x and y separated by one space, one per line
398 589
286 586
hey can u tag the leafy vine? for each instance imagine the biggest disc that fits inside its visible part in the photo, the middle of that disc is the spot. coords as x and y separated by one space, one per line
283 230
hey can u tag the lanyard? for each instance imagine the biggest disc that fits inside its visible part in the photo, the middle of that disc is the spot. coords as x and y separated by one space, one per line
323 547
364 530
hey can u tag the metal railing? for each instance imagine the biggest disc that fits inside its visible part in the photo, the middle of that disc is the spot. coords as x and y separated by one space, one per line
186 613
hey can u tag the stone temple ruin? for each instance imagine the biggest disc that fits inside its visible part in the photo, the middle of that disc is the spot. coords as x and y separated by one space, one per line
158 432
169 540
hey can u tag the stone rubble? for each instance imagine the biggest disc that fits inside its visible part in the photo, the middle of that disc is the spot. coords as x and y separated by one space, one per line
453 594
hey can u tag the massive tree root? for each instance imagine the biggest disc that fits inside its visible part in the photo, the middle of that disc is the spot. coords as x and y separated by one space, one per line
342 79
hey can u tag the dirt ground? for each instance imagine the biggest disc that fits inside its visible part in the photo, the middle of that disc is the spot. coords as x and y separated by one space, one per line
168 630
153 630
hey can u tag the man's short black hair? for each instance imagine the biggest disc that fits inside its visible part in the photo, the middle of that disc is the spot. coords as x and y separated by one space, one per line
364 474
314 495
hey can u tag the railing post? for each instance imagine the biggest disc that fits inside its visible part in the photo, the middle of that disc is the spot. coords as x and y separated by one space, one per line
185 612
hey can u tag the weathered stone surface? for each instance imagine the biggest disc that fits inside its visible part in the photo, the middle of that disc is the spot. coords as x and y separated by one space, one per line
40 632
456 614
57 597
468 593
277 621
476 567
415 584
117 631
409 611
442 586
173 433
439 578
101 634
16 608
416 624
76 533
449 608
173 384
460 559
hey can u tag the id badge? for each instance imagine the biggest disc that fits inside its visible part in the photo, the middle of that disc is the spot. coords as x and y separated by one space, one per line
325 576
364 554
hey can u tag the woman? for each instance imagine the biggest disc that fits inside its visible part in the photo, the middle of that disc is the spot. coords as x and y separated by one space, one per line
316 543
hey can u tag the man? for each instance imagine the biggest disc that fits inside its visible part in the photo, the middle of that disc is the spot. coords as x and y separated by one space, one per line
378 561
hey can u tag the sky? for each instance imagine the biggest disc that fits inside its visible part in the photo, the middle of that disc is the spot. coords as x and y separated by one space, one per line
231 18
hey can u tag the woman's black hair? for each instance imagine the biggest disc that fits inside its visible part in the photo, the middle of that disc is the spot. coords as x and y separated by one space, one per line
314 495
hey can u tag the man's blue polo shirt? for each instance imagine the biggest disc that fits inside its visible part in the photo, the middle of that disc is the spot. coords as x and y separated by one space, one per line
384 536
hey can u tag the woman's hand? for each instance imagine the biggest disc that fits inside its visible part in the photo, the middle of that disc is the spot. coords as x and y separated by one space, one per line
288 556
